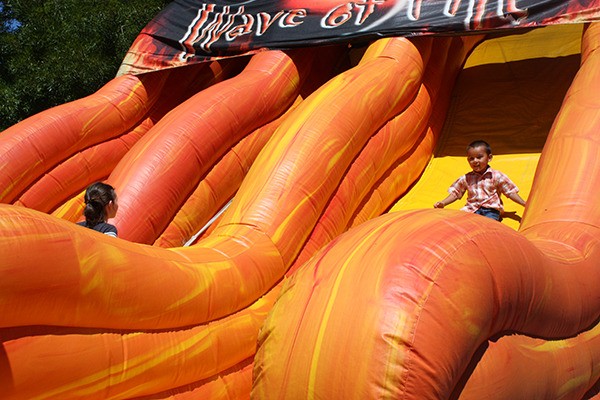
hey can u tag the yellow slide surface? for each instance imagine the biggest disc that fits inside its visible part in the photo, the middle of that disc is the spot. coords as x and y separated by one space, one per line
488 106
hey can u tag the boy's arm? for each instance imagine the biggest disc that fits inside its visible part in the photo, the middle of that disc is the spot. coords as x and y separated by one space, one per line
514 196
450 199
509 189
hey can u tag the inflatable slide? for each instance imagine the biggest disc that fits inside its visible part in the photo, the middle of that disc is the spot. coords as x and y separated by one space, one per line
277 238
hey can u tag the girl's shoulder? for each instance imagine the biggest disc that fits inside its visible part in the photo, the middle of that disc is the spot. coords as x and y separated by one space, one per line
105 227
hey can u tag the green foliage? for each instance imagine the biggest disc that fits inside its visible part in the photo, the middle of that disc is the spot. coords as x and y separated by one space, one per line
63 50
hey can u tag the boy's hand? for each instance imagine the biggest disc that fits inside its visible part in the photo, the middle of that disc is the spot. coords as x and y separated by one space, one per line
450 199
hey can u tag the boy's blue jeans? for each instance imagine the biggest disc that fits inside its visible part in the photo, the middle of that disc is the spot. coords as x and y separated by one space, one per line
489 212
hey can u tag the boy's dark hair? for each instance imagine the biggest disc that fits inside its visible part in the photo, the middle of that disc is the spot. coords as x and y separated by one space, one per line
478 143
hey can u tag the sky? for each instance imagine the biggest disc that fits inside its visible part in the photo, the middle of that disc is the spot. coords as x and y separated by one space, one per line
12 24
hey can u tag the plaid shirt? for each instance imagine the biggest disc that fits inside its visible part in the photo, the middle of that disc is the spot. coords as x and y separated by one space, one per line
483 189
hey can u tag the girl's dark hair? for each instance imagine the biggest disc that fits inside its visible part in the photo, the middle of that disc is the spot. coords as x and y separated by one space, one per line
477 143
97 196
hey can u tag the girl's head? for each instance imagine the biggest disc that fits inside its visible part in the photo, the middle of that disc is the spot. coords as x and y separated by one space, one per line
100 203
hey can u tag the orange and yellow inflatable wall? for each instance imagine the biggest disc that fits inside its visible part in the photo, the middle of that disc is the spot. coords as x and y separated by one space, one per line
277 238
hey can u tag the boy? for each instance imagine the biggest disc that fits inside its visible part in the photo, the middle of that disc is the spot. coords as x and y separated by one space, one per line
484 185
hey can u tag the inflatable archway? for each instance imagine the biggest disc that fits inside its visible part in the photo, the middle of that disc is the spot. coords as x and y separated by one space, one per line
277 236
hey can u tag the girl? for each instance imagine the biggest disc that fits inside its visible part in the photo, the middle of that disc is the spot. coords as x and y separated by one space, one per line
100 205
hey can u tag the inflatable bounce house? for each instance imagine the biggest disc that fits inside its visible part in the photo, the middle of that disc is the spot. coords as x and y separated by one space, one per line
276 164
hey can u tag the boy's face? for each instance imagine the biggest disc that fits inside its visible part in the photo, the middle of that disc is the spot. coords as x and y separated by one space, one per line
478 158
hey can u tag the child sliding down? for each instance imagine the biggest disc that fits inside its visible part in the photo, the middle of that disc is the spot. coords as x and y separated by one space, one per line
483 184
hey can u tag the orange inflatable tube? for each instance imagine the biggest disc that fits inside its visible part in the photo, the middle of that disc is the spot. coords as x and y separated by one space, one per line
195 135
40 142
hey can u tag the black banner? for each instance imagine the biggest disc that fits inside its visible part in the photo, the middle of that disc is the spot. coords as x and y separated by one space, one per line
192 31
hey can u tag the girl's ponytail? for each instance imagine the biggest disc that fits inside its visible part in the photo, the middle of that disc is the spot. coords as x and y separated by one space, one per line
97 196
